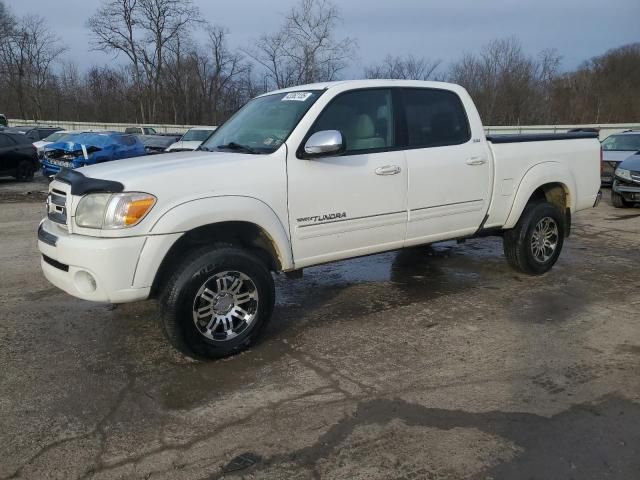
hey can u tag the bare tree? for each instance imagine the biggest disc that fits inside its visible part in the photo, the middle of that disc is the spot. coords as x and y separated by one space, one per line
28 54
404 68
142 31
305 49
507 85
6 22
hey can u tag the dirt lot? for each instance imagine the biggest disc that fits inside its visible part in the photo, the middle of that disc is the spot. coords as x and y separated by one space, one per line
429 363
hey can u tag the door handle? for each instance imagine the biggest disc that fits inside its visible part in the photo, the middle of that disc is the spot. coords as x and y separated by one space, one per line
476 161
388 170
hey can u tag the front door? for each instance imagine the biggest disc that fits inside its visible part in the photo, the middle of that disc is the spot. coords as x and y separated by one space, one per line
355 203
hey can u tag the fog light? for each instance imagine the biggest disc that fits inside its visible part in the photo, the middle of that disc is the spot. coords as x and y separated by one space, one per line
85 282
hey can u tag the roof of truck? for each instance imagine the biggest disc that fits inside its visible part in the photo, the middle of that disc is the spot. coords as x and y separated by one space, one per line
367 84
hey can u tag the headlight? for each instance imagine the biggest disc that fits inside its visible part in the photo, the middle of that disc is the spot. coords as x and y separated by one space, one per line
113 210
623 173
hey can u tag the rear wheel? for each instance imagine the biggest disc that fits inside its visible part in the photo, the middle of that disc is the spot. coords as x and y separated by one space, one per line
618 200
24 171
217 302
534 244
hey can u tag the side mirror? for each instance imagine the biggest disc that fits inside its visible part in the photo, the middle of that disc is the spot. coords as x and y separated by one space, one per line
324 143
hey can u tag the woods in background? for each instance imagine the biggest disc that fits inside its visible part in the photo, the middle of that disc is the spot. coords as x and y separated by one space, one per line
164 75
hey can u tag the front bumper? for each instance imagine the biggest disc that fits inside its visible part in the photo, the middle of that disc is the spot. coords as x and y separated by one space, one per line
629 191
91 268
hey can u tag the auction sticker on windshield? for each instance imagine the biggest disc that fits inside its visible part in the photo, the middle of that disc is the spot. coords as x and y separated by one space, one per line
296 96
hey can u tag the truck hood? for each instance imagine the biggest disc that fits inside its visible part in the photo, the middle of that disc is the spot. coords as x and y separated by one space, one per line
185 145
631 163
196 172
616 155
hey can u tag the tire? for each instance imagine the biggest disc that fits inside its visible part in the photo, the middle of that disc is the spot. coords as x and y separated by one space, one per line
25 171
521 247
201 318
618 200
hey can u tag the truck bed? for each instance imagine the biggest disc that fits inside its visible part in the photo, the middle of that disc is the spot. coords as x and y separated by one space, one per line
540 137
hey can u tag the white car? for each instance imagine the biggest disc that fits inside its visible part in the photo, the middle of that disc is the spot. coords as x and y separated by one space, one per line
192 139
304 176
54 137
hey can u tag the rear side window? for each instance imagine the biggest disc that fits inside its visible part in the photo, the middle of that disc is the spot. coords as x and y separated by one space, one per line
33 135
44 132
364 117
127 140
434 118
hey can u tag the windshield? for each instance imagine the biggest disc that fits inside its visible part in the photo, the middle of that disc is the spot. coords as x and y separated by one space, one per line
627 143
263 124
54 137
193 135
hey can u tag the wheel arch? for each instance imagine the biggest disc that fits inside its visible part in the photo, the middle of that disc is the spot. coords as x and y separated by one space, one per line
241 221
548 181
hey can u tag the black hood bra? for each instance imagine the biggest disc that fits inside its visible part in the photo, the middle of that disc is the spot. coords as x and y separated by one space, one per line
81 185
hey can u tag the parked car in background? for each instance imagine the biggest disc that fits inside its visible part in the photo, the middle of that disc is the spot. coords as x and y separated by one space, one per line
18 157
192 139
625 190
616 148
3 120
157 143
584 129
54 137
88 148
33 133
141 131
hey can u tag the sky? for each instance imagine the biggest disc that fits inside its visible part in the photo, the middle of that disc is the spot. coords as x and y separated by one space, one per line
434 29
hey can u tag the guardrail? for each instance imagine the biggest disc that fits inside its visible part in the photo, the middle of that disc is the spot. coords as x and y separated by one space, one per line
118 127
605 129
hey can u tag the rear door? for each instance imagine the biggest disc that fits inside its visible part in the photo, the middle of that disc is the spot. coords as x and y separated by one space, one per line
355 203
449 167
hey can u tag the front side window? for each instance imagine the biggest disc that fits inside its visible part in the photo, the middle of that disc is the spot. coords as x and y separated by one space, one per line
629 143
434 118
363 117
263 124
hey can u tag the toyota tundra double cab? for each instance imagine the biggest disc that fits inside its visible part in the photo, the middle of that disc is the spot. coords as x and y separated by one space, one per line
300 177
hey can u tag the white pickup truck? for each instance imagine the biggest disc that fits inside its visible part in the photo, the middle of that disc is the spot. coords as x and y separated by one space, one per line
304 176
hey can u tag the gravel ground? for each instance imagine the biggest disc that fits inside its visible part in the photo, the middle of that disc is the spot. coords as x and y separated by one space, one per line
429 363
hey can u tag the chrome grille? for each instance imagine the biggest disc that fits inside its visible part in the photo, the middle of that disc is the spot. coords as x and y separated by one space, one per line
57 206
635 176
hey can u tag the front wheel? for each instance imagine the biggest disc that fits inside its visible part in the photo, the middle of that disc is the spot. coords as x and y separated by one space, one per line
24 171
534 244
217 302
618 200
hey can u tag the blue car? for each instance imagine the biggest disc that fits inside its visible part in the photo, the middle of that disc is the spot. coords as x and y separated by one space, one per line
88 148
625 190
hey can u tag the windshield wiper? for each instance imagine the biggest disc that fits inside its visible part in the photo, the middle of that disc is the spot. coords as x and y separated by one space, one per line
236 146
204 149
